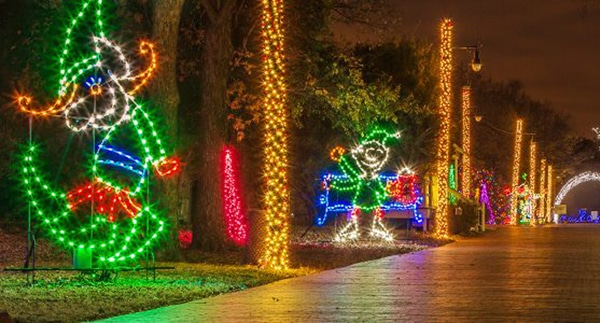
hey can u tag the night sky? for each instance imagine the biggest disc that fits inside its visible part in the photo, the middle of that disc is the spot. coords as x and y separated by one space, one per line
552 46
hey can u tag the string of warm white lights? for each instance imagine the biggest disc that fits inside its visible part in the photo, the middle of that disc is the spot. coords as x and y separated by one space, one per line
532 180
515 173
549 194
443 143
542 199
275 169
350 230
466 141
378 229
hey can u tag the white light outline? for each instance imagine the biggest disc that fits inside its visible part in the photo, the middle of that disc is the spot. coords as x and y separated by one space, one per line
584 177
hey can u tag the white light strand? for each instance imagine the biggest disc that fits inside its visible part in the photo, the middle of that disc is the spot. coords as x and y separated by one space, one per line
370 157
573 182
118 100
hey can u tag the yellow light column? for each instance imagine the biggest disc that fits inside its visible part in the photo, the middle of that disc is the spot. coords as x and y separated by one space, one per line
532 180
542 202
275 168
549 195
514 199
466 140
443 144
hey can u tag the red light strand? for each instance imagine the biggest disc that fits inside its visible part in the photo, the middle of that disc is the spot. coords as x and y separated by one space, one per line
235 220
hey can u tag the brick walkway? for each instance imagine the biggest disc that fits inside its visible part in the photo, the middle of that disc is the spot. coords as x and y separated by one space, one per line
540 274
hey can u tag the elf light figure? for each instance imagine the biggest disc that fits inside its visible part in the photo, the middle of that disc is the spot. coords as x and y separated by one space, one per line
361 179
96 92
525 199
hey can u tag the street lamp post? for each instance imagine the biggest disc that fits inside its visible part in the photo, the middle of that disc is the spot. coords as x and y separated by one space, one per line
466 122
475 61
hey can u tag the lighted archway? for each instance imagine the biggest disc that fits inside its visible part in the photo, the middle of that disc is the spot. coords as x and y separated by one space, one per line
575 181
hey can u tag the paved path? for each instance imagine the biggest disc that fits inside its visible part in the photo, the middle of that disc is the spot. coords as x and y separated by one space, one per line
544 274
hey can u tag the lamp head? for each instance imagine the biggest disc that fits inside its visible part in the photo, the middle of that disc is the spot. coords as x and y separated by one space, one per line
476 63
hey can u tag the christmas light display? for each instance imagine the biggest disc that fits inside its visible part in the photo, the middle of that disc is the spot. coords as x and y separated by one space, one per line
275 172
443 143
452 183
582 217
402 189
104 200
484 198
525 200
466 141
361 187
542 195
515 172
235 221
549 195
336 153
573 182
498 204
532 179
106 214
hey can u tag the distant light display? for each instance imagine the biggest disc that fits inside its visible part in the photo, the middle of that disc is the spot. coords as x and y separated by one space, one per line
466 141
499 203
549 197
543 190
515 172
532 179
584 177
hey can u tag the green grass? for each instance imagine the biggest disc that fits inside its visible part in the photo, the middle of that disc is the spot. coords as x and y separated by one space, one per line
64 296
71 297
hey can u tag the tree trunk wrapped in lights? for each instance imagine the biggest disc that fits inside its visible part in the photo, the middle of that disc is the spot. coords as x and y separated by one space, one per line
532 180
549 195
443 144
515 173
542 199
275 169
466 141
